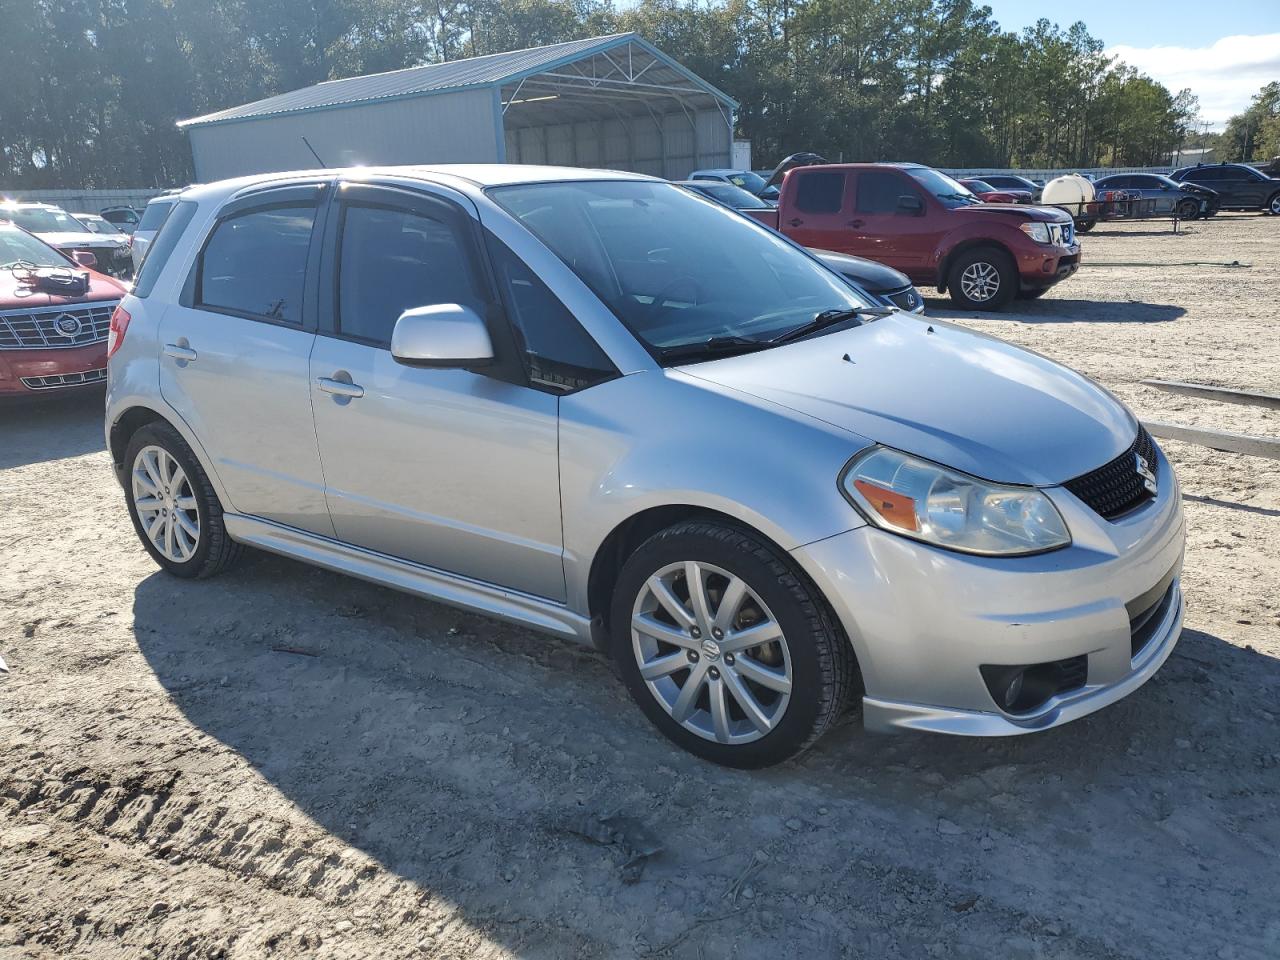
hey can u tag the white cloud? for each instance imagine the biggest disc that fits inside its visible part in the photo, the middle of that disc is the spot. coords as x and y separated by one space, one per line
1224 75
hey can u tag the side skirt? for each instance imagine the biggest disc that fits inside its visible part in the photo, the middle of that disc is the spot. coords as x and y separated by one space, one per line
476 596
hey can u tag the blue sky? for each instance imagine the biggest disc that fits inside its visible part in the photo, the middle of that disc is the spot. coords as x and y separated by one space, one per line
1224 50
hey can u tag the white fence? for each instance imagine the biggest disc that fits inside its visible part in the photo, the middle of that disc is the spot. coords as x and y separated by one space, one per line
1043 173
86 201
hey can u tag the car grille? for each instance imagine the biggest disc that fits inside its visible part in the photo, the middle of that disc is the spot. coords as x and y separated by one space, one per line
65 380
45 328
907 299
1116 488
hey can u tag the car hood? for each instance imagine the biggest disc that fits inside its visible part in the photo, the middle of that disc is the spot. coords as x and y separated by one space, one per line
944 393
1017 211
71 240
15 296
873 277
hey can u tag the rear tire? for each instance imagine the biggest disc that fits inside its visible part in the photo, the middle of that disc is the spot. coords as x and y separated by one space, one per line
748 706
1084 226
984 278
174 509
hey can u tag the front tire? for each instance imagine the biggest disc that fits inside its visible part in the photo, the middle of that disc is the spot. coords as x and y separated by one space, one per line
727 648
1273 205
174 509
1188 210
983 279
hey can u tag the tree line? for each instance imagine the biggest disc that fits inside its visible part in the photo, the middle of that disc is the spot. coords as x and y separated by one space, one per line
90 89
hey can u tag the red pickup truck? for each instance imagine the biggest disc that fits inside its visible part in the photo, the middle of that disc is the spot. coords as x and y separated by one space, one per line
927 225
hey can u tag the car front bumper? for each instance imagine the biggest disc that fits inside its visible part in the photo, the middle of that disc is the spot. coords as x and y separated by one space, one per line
37 373
924 621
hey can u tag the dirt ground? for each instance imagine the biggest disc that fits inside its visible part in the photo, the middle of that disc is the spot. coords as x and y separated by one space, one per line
283 762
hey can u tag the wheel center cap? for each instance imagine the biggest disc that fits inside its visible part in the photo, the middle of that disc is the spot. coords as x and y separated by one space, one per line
710 649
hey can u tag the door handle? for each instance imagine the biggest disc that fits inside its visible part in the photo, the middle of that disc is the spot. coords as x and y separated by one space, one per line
340 388
856 223
179 352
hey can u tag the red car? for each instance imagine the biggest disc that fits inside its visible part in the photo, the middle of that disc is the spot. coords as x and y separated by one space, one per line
921 222
55 314
989 194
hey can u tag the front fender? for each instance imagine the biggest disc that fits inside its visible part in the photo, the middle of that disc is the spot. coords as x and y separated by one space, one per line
659 438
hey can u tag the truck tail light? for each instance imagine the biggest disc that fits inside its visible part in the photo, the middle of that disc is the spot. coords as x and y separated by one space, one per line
115 332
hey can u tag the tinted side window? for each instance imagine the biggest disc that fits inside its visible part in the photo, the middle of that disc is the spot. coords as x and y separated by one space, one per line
558 354
878 191
160 249
820 191
255 263
155 215
1203 174
391 260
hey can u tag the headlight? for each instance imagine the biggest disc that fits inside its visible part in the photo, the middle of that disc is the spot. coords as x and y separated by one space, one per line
1037 231
928 502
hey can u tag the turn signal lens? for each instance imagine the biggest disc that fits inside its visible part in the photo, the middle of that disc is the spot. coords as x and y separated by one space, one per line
115 332
929 502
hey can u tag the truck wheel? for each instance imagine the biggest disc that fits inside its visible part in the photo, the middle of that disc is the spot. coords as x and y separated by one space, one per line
728 650
1084 226
983 279
174 508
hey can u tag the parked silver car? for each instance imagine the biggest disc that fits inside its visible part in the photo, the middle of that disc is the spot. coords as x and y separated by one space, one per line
597 405
148 226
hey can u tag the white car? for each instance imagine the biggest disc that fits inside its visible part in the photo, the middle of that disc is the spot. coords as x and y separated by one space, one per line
153 219
64 232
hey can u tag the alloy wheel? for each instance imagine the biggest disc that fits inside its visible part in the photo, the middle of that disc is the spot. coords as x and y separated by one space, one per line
980 281
166 504
1275 205
711 652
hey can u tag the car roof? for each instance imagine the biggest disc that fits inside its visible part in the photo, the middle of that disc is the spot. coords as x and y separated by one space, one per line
27 205
476 174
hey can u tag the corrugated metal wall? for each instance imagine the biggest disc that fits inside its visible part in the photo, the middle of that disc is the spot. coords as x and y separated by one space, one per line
457 127
669 148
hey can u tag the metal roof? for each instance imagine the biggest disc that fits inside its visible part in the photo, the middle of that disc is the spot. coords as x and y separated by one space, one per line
487 71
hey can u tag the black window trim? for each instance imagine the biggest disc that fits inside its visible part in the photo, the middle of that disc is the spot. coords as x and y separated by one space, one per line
255 201
507 364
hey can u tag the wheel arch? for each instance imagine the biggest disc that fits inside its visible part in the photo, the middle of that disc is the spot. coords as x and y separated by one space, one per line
138 415
964 246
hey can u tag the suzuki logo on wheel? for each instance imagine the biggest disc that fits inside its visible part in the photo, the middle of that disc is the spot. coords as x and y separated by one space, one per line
1144 471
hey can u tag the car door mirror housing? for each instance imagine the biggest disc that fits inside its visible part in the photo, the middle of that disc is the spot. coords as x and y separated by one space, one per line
84 258
910 204
441 335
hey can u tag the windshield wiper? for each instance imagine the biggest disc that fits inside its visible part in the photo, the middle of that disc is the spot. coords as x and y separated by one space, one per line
829 318
711 347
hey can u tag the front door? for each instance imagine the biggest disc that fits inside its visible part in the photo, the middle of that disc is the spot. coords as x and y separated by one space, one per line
453 469
235 352
884 231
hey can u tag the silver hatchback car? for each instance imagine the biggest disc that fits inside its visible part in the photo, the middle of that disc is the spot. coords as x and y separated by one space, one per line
599 406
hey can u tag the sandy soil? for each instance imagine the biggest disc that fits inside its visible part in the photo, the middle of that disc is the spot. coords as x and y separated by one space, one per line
406 780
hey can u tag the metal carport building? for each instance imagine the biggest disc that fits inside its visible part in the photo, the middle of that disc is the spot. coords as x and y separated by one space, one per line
616 102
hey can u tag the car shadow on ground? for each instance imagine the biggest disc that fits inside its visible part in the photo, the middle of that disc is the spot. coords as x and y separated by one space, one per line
53 428
465 755
1053 310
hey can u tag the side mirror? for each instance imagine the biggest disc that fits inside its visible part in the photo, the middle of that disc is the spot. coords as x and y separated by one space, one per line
909 203
84 257
441 335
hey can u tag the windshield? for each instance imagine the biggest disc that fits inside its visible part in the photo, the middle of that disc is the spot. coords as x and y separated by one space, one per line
980 186
675 268
42 220
95 224
746 180
952 193
19 247
733 196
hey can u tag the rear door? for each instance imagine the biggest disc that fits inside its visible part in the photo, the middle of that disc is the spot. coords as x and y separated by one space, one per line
454 469
235 353
817 209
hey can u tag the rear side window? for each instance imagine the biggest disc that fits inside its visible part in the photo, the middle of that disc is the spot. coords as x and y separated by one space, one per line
558 354
1208 173
391 260
155 215
878 191
255 264
162 247
820 191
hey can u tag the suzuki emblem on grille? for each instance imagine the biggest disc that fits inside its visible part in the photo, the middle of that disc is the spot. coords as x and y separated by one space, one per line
1144 471
68 326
